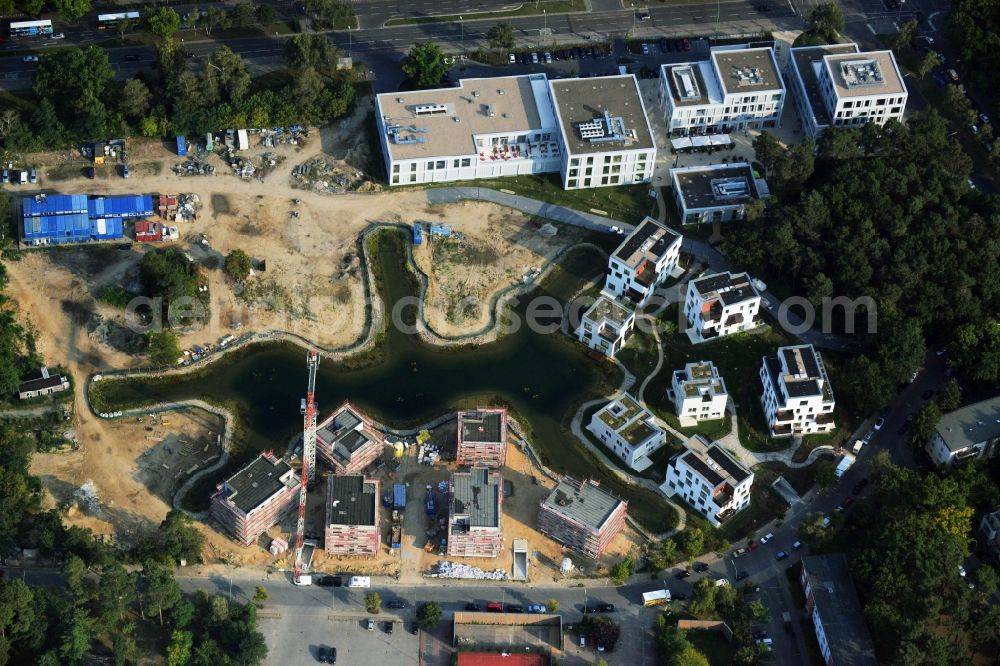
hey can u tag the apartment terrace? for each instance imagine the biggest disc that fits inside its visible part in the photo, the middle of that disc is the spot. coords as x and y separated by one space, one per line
637 432
619 413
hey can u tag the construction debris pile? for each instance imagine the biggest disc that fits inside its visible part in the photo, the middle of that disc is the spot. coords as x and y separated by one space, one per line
194 167
86 498
428 454
184 209
295 135
255 167
446 569
321 175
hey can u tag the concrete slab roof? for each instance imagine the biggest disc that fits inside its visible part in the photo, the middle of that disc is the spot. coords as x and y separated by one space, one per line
477 495
351 500
743 71
259 481
979 422
584 502
715 185
579 101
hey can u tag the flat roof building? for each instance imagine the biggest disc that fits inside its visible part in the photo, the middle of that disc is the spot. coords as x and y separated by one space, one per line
837 617
582 516
606 325
734 88
352 516
643 261
970 432
474 514
839 85
253 499
53 219
698 393
348 441
629 430
716 192
710 479
482 437
795 392
721 304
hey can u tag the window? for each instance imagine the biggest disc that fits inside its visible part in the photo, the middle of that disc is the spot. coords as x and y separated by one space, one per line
573 173
466 161
413 166
395 179
571 183
395 168
604 180
455 163
440 164
430 166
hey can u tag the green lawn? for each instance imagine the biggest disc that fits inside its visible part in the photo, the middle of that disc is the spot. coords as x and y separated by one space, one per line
630 203
525 9
713 645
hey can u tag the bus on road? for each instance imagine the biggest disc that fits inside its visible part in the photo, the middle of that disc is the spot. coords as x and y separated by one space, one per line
656 597
105 21
30 28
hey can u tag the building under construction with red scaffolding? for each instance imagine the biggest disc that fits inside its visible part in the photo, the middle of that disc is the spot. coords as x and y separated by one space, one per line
582 516
348 441
474 516
482 437
253 499
352 516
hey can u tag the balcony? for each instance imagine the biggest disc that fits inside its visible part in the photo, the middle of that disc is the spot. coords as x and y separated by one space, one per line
519 151
824 419
784 415
779 429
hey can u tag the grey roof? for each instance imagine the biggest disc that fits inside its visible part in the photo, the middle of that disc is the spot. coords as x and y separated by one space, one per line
979 422
477 495
839 610
702 187
257 482
482 425
351 500
40 383
806 59
687 74
713 463
632 251
582 502
584 100
729 287
747 70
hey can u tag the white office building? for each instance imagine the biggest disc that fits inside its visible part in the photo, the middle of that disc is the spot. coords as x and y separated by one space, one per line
698 393
735 88
606 325
629 430
715 192
604 133
838 85
644 261
795 392
721 304
709 479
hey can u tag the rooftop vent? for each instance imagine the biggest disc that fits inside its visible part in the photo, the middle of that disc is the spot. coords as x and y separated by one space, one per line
430 109
748 76
861 73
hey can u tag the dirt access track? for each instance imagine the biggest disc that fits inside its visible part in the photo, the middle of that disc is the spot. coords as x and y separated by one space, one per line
312 283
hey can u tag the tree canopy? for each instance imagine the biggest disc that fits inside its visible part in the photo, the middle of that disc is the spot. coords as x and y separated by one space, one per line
501 36
974 29
424 65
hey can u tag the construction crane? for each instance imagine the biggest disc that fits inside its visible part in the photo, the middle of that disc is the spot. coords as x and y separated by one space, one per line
308 457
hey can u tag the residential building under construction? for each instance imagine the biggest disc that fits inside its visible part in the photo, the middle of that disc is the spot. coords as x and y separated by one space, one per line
482 437
253 499
582 516
474 519
352 515
348 441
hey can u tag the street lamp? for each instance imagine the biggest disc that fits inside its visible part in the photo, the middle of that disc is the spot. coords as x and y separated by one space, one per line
350 42
462 23
545 17
586 601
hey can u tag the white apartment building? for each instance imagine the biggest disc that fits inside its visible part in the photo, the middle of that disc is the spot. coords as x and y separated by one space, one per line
721 304
483 128
967 433
604 133
710 479
699 393
795 392
715 192
643 261
841 86
736 88
606 325
629 430
516 125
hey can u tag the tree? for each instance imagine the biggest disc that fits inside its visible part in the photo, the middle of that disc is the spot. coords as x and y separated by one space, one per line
159 589
621 571
826 21
163 347
975 350
702 602
330 14
242 14
768 151
906 33
662 554
225 77
71 10
79 632
181 540
950 397
424 65
266 14
825 475
927 64
238 265
135 98
373 602
123 25
501 36
316 51
17 611
164 22
74 573
215 17
179 650
924 425
429 615
693 542
553 605
260 596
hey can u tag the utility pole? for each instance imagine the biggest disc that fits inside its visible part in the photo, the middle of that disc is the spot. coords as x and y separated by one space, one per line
350 42
462 24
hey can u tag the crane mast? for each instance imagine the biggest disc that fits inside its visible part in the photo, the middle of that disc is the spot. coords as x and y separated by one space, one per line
308 456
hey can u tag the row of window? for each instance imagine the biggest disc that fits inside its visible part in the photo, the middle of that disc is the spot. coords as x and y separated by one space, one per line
607 159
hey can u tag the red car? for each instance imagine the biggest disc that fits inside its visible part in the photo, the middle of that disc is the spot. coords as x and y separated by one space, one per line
752 546
848 501
495 606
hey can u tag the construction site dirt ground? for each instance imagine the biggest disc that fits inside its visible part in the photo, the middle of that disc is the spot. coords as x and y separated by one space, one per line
312 284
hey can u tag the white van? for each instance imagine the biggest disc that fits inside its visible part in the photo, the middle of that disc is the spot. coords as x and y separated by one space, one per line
360 581
303 581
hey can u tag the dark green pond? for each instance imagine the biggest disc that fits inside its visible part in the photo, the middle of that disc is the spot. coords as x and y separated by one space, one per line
543 377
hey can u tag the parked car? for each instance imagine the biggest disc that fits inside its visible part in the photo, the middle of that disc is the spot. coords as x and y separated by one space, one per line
396 604
32 176
494 607
983 118
414 628
680 596
645 48
700 567
826 522
879 423
511 59
30 58
6 176
683 573
605 608
131 57
57 35
548 58
536 608
125 175
752 546
617 230
534 58
515 608
89 171
781 555
322 581
473 607
767 537
370 624
796 545
337 581
388 627
583 641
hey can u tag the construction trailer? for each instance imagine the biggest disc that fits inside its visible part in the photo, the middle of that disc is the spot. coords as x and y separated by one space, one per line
582 516
482 437
352 515
348 441
474 513
253 499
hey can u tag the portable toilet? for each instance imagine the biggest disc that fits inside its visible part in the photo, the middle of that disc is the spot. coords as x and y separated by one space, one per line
181 146
209 142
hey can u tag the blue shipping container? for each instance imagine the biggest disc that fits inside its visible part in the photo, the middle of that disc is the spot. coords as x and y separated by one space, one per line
54 204
417 234
129 205
399 495
181 146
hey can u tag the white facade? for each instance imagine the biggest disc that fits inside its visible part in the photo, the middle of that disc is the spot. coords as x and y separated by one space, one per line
699 393
709 479
606 325
721 304
604 132
838 85
715 192
795 392
967 433
629 430
643 261
736 88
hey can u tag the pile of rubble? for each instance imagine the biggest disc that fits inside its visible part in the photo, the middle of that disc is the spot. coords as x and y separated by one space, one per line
253 167
194 167
428 454
320 175
446 569
295 135
188 207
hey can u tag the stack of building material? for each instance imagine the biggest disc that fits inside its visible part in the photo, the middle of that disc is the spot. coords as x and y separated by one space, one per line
278 546
457 570
428 454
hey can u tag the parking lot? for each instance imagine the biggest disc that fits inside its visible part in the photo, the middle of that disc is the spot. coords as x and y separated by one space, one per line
296 639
